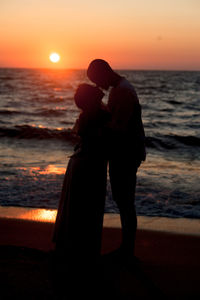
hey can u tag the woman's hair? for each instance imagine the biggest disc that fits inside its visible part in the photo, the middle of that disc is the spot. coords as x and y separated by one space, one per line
88 96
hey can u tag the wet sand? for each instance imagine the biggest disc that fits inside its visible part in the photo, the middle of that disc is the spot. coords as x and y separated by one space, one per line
168 249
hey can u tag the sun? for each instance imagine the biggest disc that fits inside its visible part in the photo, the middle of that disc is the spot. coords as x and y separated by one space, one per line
54 57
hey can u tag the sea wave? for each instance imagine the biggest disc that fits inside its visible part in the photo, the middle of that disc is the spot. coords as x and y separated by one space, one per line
29 132
172 141
6 78
39 112
50 112
9 112
32 132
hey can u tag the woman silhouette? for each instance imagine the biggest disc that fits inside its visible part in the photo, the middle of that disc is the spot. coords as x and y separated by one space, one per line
78 227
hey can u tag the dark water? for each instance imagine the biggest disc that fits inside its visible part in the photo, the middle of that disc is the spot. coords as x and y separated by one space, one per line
36 116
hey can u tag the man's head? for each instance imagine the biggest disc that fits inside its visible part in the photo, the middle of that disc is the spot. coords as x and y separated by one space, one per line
100 72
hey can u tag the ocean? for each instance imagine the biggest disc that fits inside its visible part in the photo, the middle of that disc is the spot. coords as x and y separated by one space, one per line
37 113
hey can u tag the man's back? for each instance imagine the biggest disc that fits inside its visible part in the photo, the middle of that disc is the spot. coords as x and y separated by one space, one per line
126 127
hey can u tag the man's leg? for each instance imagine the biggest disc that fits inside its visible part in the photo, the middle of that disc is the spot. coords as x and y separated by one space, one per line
123 183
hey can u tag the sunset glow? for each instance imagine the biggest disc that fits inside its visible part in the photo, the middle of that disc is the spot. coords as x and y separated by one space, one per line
129 34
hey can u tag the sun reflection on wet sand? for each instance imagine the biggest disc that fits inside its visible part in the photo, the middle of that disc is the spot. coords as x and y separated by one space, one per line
31 214
41 215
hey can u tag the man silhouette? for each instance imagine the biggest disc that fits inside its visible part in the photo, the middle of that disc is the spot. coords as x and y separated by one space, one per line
126 147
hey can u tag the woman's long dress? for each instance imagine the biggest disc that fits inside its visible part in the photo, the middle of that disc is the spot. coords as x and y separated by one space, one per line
79 220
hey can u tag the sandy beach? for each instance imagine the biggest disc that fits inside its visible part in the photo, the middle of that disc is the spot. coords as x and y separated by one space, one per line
167 248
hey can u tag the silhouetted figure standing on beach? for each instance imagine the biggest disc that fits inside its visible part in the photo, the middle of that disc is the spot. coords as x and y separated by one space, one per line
126 146
78 227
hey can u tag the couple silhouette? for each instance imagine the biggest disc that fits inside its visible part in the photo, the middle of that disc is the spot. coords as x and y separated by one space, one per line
108 134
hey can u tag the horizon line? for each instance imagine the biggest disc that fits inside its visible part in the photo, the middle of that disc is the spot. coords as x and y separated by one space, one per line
117 69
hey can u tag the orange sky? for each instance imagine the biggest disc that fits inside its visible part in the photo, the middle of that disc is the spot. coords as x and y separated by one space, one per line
144 34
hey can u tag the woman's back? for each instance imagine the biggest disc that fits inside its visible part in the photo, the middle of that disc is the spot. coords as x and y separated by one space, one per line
92 132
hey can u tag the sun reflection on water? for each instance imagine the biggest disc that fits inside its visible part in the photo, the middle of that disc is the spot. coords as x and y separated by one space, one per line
50 169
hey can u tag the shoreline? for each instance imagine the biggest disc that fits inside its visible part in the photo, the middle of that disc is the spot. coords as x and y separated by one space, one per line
184 226
169 256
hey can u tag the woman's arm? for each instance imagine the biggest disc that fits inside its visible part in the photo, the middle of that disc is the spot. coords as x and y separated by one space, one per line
75 128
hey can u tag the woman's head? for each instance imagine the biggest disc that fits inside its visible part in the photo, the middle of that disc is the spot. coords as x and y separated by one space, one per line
88 97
